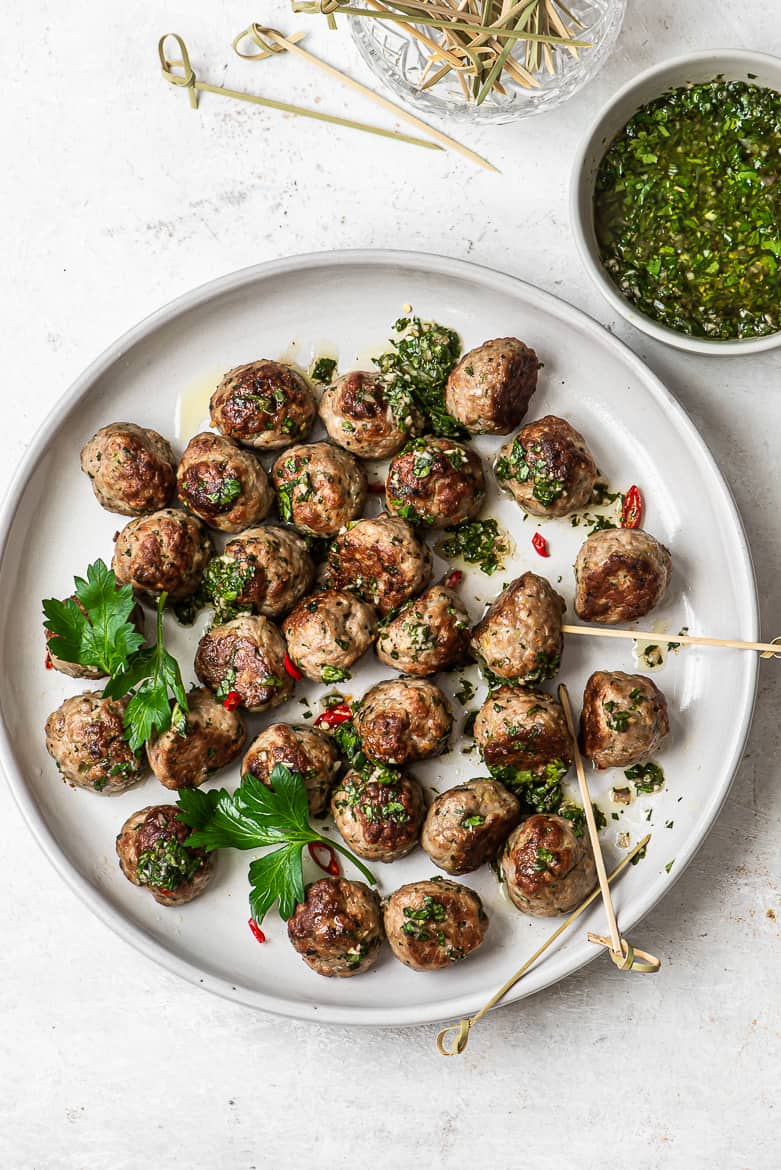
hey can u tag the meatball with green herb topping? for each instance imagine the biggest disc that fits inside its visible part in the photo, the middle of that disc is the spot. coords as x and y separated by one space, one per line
263 404
435 923
428 634
264 570
359 416
337 929
548 468
85 737
152 853
523 737
327 633
379 819
519 638
623 720
132 469
620 575
548 869
245 659
435 482
303 749
402 720
489 390
200 741
381 560
164 552
465 826
320 488
222 484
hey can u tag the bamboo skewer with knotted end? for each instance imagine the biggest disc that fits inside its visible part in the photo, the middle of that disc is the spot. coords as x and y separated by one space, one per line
625 957
460 1031
770 649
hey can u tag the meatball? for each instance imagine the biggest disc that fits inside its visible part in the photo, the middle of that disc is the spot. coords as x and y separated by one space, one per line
198 743
222 484
320 488
623 720
428 634
337 929
620 574
431 924
435 482
465 826
265 570
523 736
85 737
403 720
381 560
358 416
263 404
245 657
519 638
490 389
548 468
379 819
328 632
152 853
302 749
132 469
75 669
547 868
166 551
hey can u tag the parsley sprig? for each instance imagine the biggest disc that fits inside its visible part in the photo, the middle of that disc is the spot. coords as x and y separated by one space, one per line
254 816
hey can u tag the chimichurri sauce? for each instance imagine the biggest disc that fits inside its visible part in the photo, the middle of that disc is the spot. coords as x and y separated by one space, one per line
687 209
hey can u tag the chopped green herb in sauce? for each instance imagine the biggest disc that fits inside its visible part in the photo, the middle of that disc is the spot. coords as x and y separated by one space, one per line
478 542
416 369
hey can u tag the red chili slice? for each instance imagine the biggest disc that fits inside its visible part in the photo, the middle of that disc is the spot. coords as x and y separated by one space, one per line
257 932
540 545
332 865
453 579
48 661
632 508
339 713
291 668
231 700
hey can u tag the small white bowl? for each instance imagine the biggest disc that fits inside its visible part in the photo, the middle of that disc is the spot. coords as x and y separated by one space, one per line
733 65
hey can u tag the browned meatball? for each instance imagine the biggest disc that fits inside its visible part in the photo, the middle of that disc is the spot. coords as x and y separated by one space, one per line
435 482
302 749
166 551
132 468
320 488
85 737
465 826
519 638
222 484
431 924
547 868
379 819
548 468
75 669
403 720
198 743
523 736
490 389
327 633
358 416
620 575
624 718
381 560
264 570
337 929
245 656
263 404
428 634
152 853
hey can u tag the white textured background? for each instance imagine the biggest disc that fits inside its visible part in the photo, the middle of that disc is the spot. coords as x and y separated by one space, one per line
117 197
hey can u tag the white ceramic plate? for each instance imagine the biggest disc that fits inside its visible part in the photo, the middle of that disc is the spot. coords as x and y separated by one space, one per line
51 528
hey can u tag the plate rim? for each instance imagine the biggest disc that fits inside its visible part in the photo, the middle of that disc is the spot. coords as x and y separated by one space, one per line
435 264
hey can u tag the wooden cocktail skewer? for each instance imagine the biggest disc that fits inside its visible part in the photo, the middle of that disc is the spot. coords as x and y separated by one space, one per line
625 957
768 649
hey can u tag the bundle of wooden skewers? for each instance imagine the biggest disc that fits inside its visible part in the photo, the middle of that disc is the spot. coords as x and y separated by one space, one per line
485 43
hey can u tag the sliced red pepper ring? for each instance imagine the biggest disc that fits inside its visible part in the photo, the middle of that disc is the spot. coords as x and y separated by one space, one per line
292 669
331 866
632 508
48 661
231 701
339 713
453 579
257 932
540 545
